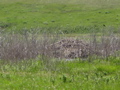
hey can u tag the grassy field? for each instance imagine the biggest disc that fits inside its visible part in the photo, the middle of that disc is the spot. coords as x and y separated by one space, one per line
72 17
60 75
75 15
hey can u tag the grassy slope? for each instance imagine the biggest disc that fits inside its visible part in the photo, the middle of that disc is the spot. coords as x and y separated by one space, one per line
21 14
97 75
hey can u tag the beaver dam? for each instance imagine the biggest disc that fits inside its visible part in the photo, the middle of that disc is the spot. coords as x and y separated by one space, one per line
70 48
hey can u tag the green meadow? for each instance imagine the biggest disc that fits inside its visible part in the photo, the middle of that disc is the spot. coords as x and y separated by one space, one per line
72 17
60 75
70 14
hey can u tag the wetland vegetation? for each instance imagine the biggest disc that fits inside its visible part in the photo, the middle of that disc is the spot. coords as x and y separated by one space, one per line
34 32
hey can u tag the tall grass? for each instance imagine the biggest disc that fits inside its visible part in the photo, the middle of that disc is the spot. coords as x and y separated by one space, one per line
34 74
40 70
30 44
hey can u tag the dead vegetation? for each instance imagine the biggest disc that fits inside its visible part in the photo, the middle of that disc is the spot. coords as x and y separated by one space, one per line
31 45
70 48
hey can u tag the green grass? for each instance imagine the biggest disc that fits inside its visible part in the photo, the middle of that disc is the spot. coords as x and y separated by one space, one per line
69 16
60 14
51 74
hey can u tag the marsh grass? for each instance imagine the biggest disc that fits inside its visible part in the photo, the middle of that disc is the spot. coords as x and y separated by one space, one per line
98 74
44 72
27 63
29 44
